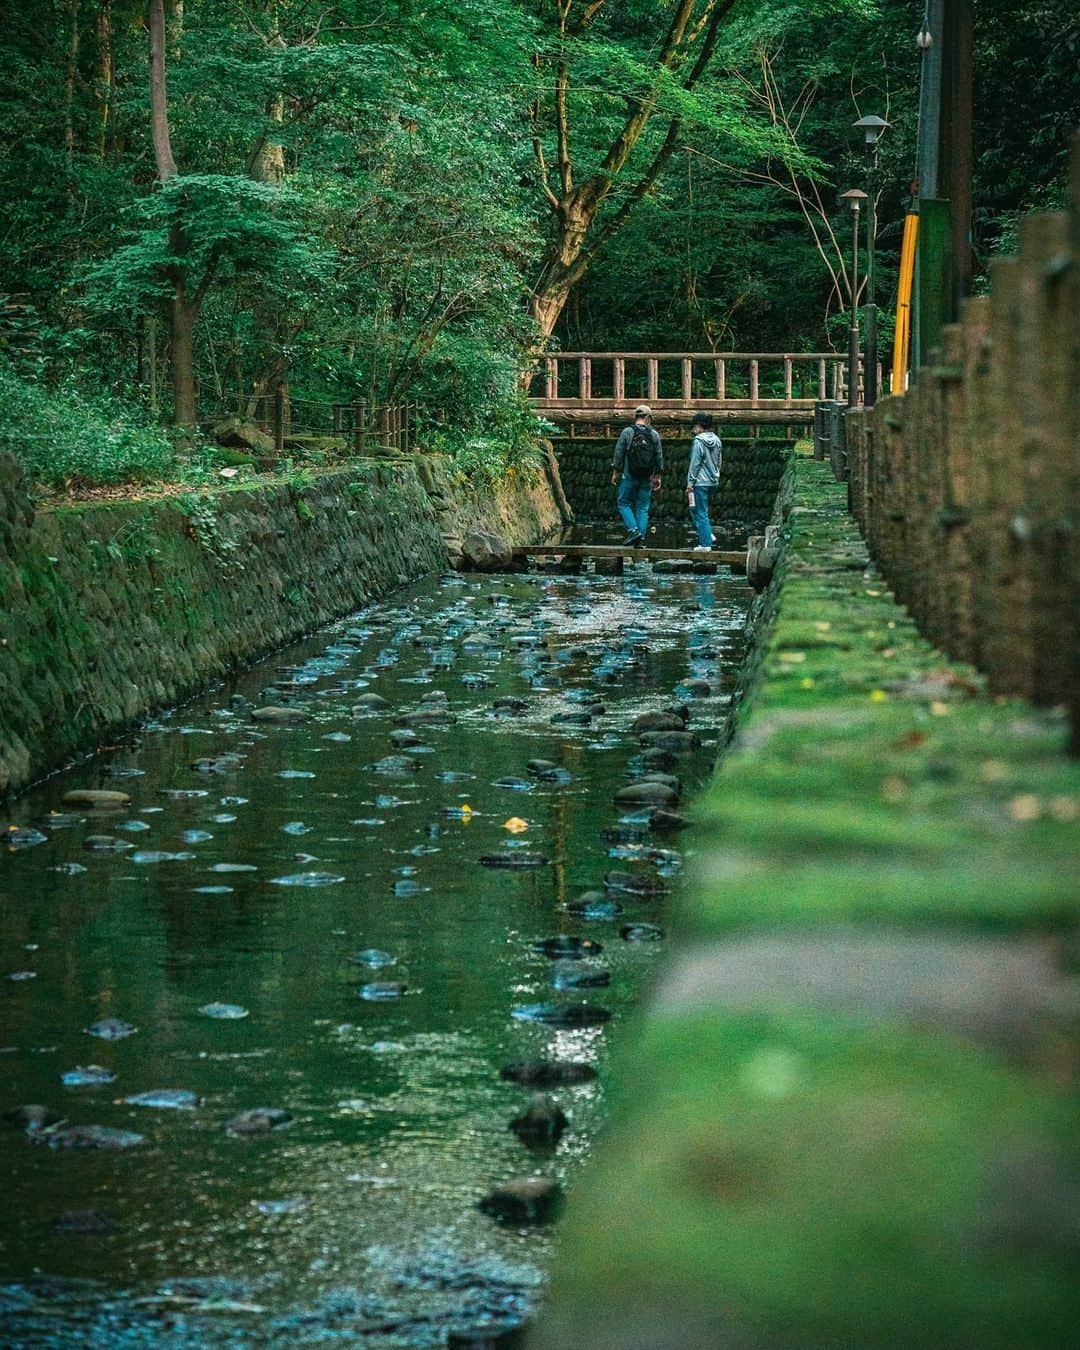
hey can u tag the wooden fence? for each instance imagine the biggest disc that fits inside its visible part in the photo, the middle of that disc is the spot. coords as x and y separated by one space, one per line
966 486
362 426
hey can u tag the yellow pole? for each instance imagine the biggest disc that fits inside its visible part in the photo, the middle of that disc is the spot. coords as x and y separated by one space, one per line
902 340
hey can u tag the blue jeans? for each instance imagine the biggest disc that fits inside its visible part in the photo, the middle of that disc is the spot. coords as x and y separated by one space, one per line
634 499
699 515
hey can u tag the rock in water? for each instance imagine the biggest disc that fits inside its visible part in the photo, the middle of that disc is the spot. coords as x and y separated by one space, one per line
648 793
111 1029
561 1014
396 764
89 1136
224 1012
95 797
657 721
369 703
542 1123
165 1099
31 1118
594 905
567 947
548 1073
664 821
382 991
641 932
542 768
577 975
87 1075
675 742
84 1222
373 957
259 1120
515 860
274 713
633 884
530 1200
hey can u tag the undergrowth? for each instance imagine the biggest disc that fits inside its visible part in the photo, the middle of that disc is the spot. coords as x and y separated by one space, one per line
63 435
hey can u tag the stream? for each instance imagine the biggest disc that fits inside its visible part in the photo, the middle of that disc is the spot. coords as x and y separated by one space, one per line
334 921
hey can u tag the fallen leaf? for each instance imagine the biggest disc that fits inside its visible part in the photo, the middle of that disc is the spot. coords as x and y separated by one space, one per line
1026 806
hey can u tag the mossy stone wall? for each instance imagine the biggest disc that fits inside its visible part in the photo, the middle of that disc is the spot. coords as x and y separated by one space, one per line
110 610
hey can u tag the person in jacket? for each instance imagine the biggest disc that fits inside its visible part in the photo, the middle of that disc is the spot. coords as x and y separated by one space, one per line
702 476
635 470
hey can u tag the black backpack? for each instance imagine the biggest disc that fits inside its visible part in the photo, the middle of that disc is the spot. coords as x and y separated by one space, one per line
641 456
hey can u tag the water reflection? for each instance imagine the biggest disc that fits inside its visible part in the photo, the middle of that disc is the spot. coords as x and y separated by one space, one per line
237 908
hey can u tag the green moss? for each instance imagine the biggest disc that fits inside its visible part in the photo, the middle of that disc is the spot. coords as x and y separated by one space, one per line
821 1183
803 1178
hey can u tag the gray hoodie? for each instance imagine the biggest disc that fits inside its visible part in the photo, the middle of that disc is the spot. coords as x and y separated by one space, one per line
705 460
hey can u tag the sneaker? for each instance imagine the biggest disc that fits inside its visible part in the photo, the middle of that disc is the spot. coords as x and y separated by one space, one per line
633 538
702 548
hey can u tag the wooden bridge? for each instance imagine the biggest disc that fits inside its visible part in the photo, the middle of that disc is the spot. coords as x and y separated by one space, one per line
579 390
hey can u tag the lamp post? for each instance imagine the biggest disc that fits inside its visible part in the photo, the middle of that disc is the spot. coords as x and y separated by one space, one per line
873 127
854 197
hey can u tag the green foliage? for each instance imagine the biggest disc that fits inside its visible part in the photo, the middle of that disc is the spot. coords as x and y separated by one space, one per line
360 209
205 525
60 436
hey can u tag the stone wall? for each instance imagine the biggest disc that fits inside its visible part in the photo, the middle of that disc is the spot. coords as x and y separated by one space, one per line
748 482
110 610
966 487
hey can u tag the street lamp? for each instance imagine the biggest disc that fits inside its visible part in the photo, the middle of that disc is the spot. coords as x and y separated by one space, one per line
855 198
873 127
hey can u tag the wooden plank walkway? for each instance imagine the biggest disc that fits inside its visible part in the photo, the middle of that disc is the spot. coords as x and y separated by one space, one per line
584 551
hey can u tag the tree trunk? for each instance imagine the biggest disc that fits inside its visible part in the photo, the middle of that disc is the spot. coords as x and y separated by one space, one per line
565 261
70 78
106 71
182 321
159 104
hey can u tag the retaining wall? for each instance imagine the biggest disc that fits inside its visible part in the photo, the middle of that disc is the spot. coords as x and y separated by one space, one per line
967 487
110 610
749 480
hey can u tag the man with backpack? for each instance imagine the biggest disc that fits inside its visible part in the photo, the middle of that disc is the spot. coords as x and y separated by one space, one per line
635 469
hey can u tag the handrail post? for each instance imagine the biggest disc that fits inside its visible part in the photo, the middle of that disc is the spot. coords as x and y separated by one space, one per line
654 379
822 380
619 379
787 380
359 426
754 382
551 380
279 419
687 380
584 378
721 378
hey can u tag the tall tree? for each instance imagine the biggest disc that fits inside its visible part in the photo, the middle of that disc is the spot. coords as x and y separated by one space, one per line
575 194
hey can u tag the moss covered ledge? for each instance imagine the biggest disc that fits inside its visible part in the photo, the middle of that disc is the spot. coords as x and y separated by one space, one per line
845 1119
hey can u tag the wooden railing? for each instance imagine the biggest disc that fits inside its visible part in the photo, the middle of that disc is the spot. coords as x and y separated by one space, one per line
680 381
361 425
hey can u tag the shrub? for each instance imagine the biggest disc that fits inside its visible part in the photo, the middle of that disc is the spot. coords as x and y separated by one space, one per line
62 435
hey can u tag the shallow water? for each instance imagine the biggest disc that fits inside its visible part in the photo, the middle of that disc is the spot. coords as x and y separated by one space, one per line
224 931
